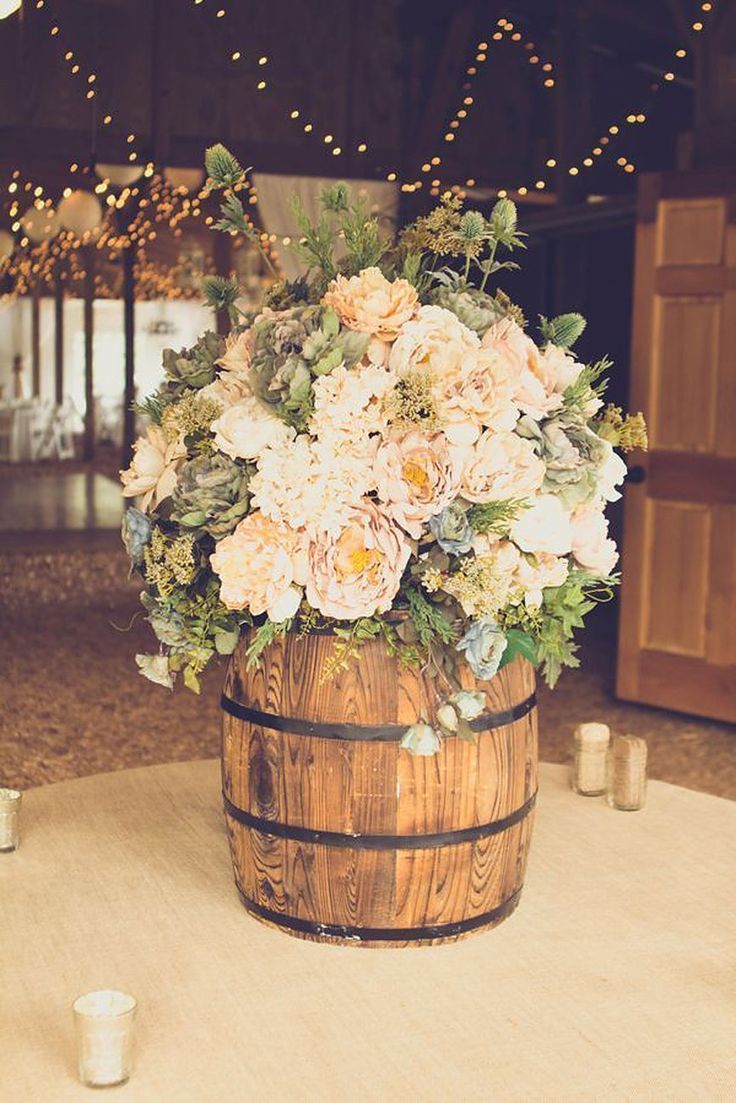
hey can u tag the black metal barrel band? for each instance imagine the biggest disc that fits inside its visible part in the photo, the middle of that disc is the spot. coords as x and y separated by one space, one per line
382 934
378 842
381 733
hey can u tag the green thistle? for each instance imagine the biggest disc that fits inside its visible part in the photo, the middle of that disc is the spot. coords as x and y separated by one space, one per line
222 168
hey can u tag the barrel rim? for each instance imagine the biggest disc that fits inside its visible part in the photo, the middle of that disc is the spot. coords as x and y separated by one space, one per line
374 733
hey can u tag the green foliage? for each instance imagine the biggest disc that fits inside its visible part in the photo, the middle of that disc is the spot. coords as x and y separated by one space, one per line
349 641
363 241
264 635
194 625
564 609
233 218
222 168
335 198
588 386
496 517
519 643
430 621
316 247
563 331
154 405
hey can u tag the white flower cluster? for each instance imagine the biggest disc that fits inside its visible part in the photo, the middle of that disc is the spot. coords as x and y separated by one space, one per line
336 512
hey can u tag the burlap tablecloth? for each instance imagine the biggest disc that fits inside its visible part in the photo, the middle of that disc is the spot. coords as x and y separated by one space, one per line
614 980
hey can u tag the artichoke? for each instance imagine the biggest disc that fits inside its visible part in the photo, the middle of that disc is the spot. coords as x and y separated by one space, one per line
291 350
475 309
573 455
211 495
194 367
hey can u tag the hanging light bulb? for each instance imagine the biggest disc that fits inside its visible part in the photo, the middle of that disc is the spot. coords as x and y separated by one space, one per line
7 7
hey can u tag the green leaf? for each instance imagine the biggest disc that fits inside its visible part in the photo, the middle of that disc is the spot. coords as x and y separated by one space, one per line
431 622
191 681
330 322
519 643
563 331
465 732
226 641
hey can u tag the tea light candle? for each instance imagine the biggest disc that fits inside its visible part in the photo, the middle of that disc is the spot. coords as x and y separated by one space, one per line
104 1022
9 818
627 773
589 771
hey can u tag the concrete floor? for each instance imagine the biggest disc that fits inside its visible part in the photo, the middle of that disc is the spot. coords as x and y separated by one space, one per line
73 703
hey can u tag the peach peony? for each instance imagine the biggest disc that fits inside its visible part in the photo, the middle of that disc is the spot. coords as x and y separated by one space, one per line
153 471
538 375
416 476
501 466
262 567
238 352
357 573
472 387
369 303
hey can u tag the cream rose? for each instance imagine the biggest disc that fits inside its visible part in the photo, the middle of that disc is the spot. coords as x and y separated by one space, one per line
610 474
262 567
501 466
416 476
245 429
358 572
543 527
369 303
153 471
591 545
538 573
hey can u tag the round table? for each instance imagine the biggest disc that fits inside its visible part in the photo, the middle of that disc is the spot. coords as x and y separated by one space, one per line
614 979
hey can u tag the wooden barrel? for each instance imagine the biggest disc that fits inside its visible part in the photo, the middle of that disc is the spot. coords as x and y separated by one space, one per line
337 834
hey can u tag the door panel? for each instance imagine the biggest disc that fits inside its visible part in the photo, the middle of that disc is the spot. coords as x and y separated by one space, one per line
677 642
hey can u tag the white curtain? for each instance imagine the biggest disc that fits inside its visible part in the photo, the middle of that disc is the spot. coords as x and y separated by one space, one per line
274 193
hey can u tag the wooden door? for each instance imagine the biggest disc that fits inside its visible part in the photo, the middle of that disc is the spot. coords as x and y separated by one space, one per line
677 641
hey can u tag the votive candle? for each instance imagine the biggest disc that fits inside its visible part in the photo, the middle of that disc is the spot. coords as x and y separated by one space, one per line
589 770
10 800
104 1022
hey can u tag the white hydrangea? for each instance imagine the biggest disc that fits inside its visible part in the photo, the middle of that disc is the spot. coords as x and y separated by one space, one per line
348 403
308 484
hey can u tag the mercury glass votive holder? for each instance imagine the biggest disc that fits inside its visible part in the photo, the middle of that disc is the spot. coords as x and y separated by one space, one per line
10 800
104 1023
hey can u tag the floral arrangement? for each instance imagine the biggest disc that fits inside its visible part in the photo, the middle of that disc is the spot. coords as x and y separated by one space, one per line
382 450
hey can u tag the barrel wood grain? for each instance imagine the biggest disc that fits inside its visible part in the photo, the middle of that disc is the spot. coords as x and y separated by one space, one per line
330 889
